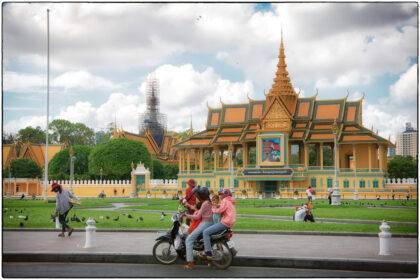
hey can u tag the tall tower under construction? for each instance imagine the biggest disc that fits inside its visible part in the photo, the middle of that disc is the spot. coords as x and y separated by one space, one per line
152 119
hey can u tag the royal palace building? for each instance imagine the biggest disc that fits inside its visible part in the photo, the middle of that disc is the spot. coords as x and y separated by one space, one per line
283 144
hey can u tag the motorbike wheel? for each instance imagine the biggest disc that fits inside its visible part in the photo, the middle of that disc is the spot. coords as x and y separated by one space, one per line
164 252
222 256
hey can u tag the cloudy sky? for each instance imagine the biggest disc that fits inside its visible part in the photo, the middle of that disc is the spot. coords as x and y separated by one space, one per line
102 53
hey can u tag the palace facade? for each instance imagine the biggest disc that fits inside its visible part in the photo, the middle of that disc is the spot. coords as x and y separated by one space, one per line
284 144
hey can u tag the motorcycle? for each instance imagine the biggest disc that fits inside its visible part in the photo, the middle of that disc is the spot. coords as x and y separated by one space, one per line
170 245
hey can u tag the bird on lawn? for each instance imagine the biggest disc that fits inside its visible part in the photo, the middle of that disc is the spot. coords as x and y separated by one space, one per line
78 220
123 214
140 219
67 220
83 219
117 218
163 216
21 224
129 216
95 221
101 217
107 217
26 218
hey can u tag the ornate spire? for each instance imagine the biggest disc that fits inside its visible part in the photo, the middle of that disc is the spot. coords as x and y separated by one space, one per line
115 127
191 128
282 84
282 87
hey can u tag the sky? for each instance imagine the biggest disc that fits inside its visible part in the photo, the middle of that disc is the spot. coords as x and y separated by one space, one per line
203 53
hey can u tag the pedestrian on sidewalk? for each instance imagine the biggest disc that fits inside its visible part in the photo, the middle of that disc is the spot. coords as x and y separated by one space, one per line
63 206
309 194
407 196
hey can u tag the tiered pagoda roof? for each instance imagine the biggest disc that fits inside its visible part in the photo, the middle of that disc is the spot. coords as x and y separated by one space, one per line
311 120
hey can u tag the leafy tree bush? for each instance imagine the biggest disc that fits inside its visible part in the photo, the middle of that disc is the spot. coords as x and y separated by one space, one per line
23 168
115 158
59 166
74 134
33 135
158 169
402 167
171 171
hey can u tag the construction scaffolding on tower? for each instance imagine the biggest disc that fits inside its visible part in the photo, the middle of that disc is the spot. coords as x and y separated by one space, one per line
152 119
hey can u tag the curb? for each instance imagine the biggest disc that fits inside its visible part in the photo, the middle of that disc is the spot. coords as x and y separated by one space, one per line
318 233
335 264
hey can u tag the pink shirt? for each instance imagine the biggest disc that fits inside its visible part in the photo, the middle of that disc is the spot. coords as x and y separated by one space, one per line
228 211
205 212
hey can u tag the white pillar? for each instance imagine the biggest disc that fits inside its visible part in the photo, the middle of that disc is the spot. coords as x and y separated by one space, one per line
90 233
384 239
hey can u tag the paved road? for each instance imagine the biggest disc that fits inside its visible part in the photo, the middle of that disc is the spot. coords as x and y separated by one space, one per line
48 270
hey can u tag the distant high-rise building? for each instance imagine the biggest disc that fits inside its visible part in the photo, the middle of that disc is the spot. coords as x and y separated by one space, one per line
406 142
391 152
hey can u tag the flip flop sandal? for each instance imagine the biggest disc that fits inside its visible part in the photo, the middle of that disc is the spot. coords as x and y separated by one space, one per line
71 231
61 235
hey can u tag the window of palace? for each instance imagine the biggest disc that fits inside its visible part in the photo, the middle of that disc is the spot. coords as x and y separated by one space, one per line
17 188
295 154
346 183
236 183
375 183
362 183
222 183
313 182
329 183
184 184
208 184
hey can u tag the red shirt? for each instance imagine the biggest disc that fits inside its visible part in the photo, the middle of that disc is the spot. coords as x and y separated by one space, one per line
191 198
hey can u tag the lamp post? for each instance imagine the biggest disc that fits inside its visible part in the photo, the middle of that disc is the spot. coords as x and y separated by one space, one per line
9 194
232 157
100 172
72 159
48 108
133 181
335 197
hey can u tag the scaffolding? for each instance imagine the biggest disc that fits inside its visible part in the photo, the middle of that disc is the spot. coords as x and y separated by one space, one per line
152 119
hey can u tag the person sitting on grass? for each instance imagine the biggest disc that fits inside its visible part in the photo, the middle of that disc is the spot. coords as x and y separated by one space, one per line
62 206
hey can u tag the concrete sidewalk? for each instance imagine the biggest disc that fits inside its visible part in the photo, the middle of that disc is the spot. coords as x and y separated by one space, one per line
278 250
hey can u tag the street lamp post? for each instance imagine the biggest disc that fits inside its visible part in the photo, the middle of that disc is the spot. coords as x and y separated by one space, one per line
232 187
133 181
72 159
335 197
100 172
9 194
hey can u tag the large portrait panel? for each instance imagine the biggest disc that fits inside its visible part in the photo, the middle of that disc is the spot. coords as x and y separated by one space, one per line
271 150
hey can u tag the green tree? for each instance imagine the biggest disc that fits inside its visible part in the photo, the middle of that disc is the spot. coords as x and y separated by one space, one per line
115 158
59 166
33 135
158 169
105 136
23 168
402 167
64 131
9 138
171 171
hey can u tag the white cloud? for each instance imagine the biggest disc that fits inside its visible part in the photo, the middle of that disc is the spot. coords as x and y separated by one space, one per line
405 90
185 91
32 83
82 79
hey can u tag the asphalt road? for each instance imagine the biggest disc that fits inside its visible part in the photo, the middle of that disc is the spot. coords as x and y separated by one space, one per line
102 270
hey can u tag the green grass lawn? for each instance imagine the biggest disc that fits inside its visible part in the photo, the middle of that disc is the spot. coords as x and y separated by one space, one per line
39 215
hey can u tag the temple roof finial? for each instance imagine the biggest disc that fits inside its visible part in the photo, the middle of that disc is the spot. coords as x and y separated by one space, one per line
115 127
191 128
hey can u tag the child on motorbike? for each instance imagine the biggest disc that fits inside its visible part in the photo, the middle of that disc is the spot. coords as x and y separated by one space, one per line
228 219
205 213
195 223
215 201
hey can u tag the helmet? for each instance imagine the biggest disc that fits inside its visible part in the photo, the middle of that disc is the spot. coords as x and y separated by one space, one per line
226 192
191 182
55 186
203 193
